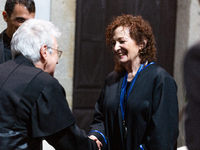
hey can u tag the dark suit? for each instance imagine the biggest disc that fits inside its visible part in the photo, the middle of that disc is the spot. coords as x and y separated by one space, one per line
192 82
2 59
32 107
5 52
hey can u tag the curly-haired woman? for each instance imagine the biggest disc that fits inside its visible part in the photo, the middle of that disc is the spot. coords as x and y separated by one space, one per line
138 107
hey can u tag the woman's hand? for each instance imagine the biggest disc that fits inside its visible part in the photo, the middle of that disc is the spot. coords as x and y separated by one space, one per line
99 144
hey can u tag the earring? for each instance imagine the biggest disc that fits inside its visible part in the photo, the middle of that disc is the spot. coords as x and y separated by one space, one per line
140 49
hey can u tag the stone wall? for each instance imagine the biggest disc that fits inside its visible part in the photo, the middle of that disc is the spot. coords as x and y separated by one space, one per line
2 23
63 16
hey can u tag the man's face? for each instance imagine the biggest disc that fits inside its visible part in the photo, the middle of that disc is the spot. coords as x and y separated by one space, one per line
52 59
19 15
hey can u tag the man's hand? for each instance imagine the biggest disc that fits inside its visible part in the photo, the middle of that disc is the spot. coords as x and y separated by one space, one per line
99 144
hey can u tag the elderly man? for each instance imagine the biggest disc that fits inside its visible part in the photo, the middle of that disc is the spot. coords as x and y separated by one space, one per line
15 13
32 102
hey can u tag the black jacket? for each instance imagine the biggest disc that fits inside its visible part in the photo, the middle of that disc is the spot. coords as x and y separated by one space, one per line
5 52
2 59
33 106
151 112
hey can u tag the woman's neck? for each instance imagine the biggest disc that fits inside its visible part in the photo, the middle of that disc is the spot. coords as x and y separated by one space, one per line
132 69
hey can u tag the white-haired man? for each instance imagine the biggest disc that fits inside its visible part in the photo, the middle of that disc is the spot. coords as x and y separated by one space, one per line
32 102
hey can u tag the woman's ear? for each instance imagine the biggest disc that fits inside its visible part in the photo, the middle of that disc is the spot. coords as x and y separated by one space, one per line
143 43
43 53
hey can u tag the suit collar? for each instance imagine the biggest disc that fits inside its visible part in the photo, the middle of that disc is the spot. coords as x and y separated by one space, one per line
21 58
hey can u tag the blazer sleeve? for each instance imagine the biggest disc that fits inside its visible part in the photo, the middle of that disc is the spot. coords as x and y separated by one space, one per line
53 120
98 123
71 138
163 126
51 113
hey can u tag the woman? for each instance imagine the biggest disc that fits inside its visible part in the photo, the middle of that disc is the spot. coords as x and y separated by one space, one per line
138 106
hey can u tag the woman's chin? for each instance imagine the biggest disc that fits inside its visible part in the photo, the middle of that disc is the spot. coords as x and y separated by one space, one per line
123 60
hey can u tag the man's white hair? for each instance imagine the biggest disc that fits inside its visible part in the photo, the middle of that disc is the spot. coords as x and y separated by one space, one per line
30 36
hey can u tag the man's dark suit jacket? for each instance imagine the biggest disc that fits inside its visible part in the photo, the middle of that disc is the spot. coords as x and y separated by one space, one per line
5 52
33 106
192 112
1 49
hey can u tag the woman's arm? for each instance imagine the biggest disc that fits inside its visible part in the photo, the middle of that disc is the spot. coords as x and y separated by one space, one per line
163 127
97 125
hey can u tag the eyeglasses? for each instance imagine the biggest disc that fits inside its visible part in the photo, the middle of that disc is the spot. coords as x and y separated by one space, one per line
59 52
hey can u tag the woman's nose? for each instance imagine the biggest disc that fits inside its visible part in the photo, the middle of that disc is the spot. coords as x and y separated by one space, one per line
116 46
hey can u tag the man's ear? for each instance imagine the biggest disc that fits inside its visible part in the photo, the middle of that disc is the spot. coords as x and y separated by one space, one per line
43 52
5 16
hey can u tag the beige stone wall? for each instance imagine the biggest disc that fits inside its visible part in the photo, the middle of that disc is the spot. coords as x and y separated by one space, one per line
181 46
194 29
187 33
2 23
63 16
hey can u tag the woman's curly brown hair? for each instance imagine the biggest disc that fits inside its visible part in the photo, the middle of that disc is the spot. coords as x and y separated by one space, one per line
139 30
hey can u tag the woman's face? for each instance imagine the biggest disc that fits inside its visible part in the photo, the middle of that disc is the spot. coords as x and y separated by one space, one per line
125 48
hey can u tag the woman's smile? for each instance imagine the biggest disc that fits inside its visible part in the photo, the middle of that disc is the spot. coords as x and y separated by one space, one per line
124 46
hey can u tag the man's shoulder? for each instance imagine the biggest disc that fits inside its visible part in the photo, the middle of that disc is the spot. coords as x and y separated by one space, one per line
1 39
1 51
1 34
2 59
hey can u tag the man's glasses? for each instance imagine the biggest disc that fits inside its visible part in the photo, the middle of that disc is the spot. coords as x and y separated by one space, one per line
59 52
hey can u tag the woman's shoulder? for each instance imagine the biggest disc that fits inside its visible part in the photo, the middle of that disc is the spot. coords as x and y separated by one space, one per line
159 74
157 70
114 77
114 74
